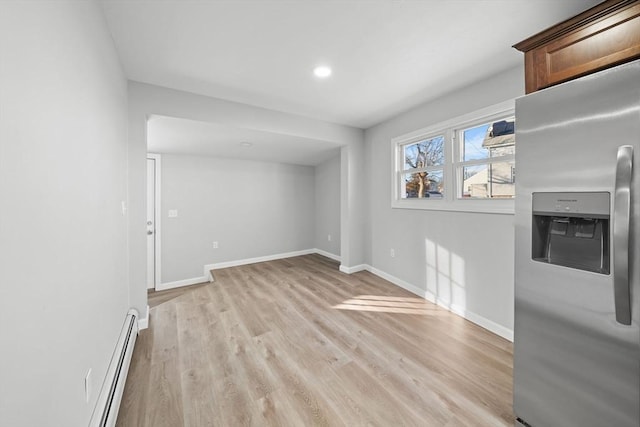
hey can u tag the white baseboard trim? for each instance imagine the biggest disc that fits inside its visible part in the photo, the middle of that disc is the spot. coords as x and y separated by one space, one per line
227 264
399 282
354 269
180 283
208 277
328 254
143 322
487 324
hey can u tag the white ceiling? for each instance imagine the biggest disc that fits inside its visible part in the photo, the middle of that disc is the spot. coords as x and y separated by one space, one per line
387 55
171 135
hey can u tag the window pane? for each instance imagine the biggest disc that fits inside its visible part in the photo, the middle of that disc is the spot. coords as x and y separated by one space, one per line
423 185
496 181
488 140
429 152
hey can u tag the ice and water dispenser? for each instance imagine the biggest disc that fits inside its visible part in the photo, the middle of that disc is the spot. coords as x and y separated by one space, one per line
572 230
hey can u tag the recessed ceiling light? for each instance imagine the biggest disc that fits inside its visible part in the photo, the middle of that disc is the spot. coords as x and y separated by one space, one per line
245 144
322 71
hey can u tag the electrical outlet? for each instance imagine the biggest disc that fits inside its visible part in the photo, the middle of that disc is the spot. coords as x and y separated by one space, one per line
173 213
215 245
392 253
87 386
328 237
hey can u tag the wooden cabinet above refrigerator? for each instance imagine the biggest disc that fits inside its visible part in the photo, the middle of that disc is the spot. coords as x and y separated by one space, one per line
606 35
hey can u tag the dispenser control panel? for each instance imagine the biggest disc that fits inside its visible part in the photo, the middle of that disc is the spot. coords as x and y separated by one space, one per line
572 230
595 204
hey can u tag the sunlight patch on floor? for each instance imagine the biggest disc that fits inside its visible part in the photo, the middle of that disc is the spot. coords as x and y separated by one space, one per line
390 304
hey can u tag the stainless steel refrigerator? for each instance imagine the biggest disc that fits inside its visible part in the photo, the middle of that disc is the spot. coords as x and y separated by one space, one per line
577 295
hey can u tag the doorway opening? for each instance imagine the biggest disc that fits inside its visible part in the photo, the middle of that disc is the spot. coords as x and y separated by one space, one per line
153 221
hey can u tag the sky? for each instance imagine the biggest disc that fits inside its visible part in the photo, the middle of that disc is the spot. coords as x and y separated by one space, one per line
473 143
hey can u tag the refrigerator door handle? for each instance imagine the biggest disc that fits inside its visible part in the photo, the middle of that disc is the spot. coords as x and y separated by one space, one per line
621 227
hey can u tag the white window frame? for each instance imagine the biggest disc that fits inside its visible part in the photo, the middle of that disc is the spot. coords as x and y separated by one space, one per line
452 200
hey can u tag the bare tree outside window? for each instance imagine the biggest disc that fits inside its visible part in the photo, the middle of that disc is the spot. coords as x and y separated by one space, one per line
423 155
429 152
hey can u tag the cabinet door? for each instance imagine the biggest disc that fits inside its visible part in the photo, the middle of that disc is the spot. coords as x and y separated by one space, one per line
602 37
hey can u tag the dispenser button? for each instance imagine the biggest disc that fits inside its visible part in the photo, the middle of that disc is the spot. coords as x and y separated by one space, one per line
559 226
586 228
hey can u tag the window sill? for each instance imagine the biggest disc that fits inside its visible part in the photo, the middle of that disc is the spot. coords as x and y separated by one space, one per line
504 207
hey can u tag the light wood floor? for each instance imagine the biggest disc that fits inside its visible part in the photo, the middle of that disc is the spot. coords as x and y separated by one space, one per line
294 342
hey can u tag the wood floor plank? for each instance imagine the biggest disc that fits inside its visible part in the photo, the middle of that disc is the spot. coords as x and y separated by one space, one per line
197 374
164 399
295 342
134 402
298 387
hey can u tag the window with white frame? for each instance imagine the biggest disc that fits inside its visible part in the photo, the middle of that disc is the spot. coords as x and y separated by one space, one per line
467 163
423 168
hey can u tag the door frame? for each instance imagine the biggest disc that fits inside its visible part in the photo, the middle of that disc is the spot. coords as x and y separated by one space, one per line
157 214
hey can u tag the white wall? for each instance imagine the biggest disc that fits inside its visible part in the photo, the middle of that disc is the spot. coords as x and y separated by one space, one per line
63 281
252 209
466 259
327 192
147 99
353 213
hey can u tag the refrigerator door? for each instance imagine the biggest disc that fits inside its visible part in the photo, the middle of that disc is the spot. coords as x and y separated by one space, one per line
576 360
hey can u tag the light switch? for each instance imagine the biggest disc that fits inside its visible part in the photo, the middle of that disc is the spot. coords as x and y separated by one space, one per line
173 213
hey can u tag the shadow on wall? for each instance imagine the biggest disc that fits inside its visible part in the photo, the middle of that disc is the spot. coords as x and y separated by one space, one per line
445 277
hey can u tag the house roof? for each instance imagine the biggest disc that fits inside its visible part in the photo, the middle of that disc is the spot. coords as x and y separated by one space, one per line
498 141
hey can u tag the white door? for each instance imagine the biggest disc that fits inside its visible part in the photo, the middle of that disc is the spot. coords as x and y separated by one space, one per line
151 223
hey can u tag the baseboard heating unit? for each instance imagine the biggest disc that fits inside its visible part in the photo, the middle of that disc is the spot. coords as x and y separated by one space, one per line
105 413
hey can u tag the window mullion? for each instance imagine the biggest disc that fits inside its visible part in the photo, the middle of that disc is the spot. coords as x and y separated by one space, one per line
453 156
488 160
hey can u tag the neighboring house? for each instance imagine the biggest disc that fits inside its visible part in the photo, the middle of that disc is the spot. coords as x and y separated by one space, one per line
476 185
497 180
